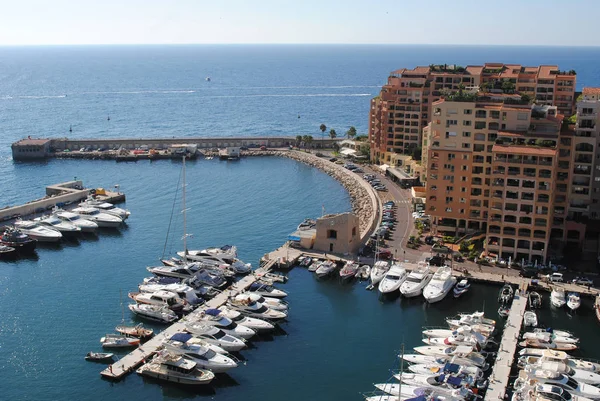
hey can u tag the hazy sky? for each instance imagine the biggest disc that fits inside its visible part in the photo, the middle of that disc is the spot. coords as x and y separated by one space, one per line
526 22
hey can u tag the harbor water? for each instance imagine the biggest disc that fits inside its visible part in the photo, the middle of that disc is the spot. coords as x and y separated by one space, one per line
340 338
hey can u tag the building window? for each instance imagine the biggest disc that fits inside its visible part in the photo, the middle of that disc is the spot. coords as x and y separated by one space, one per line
466 146
465 157
522 116
467 123
468 111
354 231
332 234
463 189
466 134
464 168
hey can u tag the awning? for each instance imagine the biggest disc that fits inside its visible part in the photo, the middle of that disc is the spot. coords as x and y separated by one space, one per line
384 167
348 152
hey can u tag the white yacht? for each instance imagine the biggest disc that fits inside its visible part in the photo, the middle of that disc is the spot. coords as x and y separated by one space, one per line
159 298
471 319
580 375
392 279
53 222
250 322
177 369
534 355
98 217
445 382
378 271
225 254
152 312
461 351
547 337
203 356
273 303
440 285
530 319
266 290
442 360
545 392
215 318
549 377
326 268
76 220
411 392
184 292
106 208
214 335
437 368
557 297
573 301
416 281
255 309
38 231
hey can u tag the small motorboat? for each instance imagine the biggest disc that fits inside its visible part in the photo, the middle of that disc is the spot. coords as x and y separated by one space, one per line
378 271
106 207
205 357
306 261
530 319
7 252
325 269
37 231
349 270
548 345
503 311
14 238
534 300
255 309
266 290
440 285
392 279
557 336
364 272
506 294
104 357
154 313
316 263
462 287
557 298
119 341
573 301
273 303
138 331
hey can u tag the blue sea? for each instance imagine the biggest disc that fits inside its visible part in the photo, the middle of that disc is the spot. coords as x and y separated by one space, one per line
339 338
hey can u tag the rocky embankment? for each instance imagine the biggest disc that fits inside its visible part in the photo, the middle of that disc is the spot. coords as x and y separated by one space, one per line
364 205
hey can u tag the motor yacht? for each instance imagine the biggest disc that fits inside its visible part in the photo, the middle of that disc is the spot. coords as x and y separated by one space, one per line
183 291
548 345
545 376
440 285
534 391
255 324
255 309
451 368
225 254
102 219
416 281
556 336
506 294
325 269
119 341
392 279
462 287
138 331
410 392
216 336
266 290
557 297
7 252
349 270
459 337
532 356
176 369
582 376
378 271
573 301
75 219
106 207
160 298
16 239
154 313
467 360
316 263
37 231
53 222
530 319
273 303
203 356
214 317
194 271
441 381
471 319
462 351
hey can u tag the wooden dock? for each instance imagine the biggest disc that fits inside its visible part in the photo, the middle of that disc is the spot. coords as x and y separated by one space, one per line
508 346
137 357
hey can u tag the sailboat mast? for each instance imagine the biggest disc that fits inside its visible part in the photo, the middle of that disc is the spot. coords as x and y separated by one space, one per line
401 371
184 216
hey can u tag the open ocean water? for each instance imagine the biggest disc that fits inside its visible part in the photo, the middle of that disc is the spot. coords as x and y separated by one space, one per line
339 338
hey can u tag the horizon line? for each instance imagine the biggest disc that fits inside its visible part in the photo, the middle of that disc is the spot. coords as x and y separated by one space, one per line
292 44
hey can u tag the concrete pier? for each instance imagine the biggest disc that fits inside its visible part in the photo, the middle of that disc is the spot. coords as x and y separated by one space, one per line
508 347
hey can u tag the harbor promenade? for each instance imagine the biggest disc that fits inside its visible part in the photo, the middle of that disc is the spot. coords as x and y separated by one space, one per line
508 346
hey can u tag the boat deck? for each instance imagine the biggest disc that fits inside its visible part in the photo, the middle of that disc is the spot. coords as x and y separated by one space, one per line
137 357
508 346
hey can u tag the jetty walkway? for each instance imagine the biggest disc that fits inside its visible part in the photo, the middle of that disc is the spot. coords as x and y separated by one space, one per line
508 346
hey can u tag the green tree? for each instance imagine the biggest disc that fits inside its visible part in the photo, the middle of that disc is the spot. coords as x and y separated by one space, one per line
298 140
365 149
351 133
332 134
323 128
305 141
508 87
309 140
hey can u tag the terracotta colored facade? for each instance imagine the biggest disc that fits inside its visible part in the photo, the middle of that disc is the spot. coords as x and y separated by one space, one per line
404 106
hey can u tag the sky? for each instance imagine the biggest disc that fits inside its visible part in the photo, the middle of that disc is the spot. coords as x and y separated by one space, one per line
508 22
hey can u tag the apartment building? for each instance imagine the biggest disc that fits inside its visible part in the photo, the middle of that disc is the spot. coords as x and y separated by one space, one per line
404 106
492 168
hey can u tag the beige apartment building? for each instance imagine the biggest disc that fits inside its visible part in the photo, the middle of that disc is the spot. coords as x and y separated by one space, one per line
404 106
493 168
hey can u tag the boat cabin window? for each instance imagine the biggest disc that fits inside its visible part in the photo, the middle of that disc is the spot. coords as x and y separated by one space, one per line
572 383
198 356
393 277
230 326
219 334
262 309
179 369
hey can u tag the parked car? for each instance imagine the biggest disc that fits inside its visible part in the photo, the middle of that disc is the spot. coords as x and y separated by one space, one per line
554 277
583 281
384 255
528 273
333 159
263 147
429 240
435 261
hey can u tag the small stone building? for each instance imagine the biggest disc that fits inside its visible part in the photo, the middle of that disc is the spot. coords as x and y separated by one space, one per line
30 148
338 233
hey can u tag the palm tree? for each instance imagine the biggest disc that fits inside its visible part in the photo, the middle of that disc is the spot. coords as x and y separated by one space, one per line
351 133
309 139
332 134
305 140
323 128
298 140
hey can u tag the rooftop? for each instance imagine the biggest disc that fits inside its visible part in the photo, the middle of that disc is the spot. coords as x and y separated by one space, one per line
31 141
591 91
524 150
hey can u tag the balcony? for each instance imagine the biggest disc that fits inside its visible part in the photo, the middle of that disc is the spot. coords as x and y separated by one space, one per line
509 231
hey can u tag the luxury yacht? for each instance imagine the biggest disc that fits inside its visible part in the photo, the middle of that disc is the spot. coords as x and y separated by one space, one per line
273 303
38 231
250 322
266 290
416 281
184 291
214 335
155 313
53 222
98 217
392 279
255 309
326 268
75 219
203 356
378 271
214 317
106 208
176 369
159 298
440 285
557 298
224 254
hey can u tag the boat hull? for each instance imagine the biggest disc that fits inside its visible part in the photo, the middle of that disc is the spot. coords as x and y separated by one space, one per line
22 247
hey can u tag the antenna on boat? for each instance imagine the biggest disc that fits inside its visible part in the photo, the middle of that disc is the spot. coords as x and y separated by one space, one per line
401 370
122 309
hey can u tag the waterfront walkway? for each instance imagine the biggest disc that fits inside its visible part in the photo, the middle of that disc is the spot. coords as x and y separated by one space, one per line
508 346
